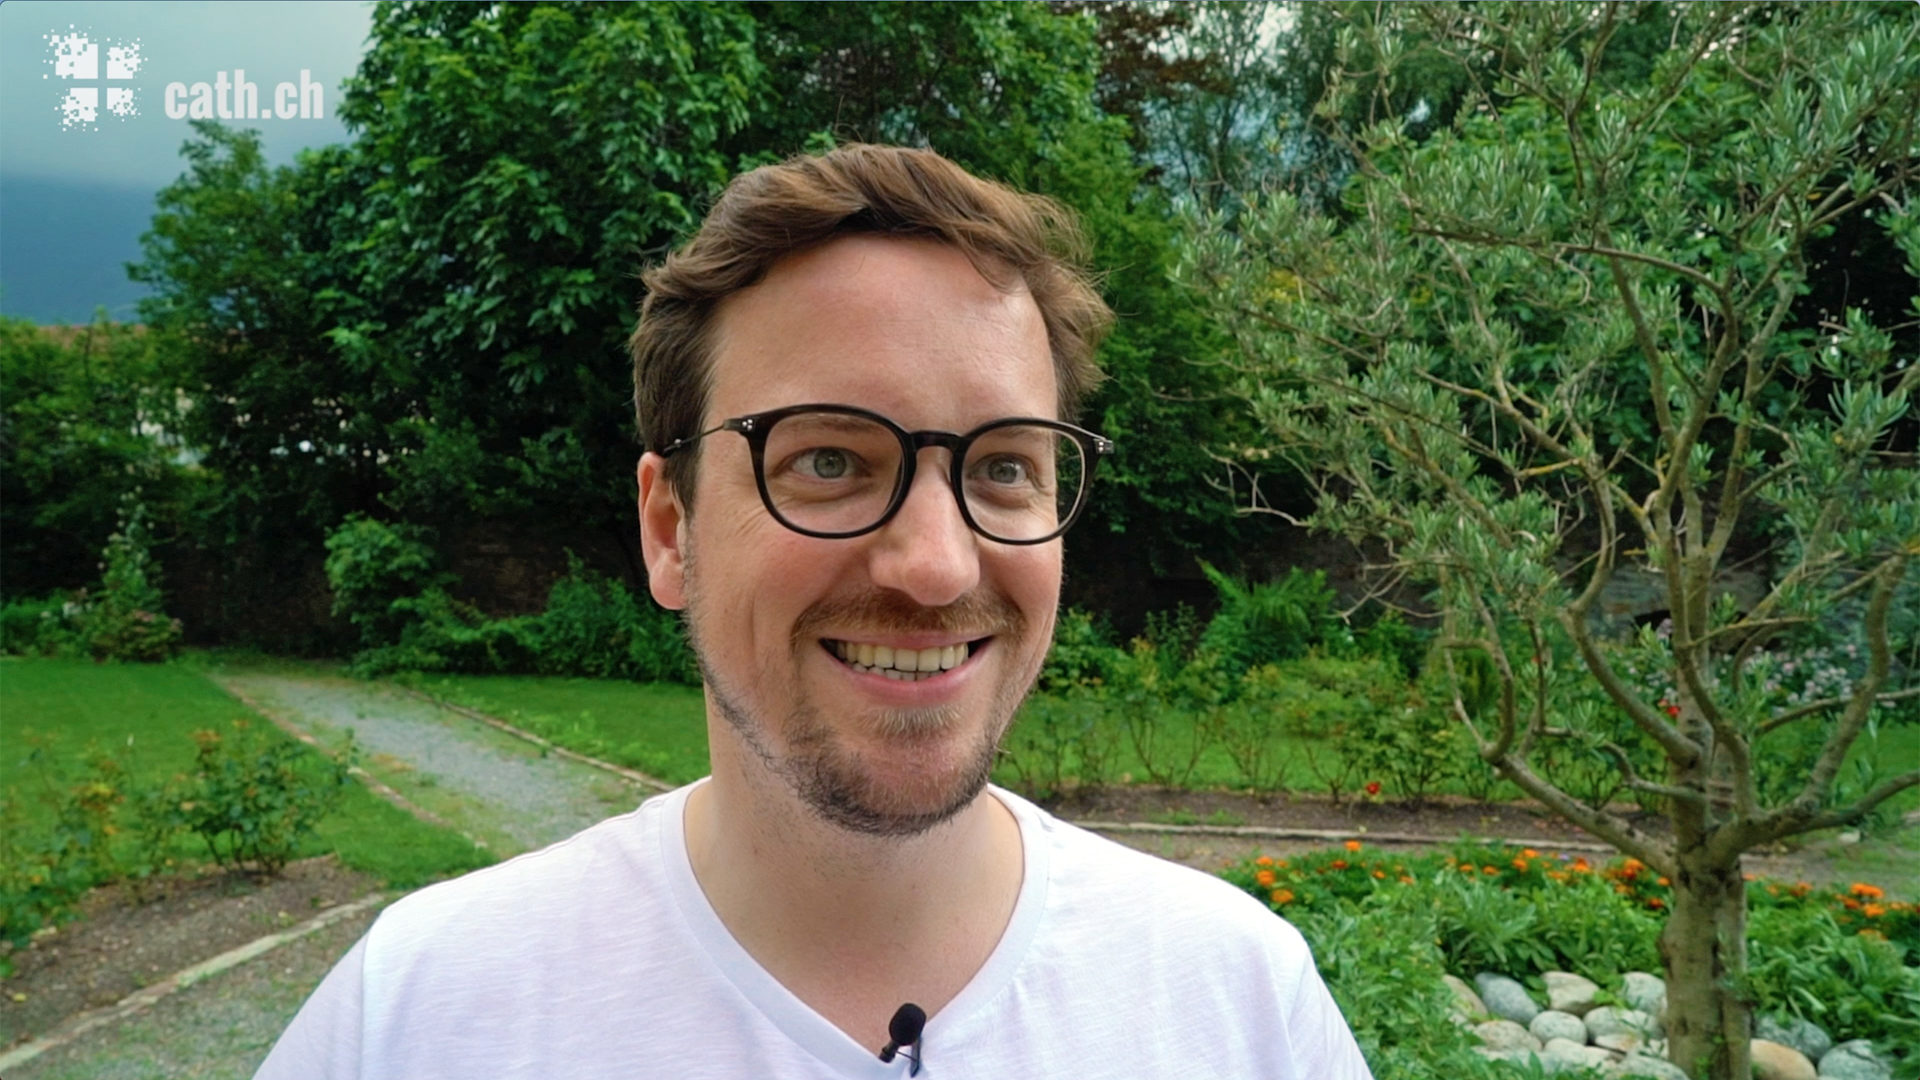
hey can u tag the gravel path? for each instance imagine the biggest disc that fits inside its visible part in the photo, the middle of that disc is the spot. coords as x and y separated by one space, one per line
494 787
220 1029
489 784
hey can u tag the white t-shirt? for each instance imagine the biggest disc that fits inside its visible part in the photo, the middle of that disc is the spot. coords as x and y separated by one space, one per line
599 957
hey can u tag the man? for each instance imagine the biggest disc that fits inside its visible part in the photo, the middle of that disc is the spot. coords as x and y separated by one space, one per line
854 381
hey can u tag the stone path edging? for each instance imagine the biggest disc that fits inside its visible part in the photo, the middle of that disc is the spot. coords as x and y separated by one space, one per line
1268 832
373 783
631 775
144 998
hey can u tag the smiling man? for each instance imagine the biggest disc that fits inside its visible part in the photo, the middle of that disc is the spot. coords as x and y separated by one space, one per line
856 382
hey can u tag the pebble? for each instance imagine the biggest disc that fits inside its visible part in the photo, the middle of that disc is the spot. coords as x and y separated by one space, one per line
1565 1054
1625 1042
1506 998
1552 1024
1647 993
1803 1035
1466 1003
1613 1020
1644 1065
1505 1035
1853 1061
1570 993
1772 1061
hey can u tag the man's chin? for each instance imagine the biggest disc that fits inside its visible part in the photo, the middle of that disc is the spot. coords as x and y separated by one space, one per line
850 797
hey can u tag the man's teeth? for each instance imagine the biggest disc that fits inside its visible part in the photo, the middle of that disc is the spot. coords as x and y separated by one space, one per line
909 664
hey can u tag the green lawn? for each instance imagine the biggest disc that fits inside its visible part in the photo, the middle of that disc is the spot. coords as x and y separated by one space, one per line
52 712
658 728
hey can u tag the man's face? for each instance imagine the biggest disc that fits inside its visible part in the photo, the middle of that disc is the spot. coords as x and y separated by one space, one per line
908 329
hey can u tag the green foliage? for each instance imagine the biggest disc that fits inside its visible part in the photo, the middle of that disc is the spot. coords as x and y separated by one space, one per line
1855 985
44 872
1279 620
86 418
591 626
40 627
372 566
128 620
252 798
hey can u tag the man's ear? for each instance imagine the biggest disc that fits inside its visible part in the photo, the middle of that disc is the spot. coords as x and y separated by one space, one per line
662 533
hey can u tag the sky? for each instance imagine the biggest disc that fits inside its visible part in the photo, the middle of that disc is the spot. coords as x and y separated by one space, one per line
75 196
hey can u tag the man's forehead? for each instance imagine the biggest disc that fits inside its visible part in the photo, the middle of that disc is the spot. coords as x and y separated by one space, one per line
908 301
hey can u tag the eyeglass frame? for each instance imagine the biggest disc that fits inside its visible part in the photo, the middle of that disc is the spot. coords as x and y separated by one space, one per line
755 426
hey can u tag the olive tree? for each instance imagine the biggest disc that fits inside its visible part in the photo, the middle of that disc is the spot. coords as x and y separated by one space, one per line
1574 336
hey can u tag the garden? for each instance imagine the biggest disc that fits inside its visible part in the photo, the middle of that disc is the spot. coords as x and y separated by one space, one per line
1514 442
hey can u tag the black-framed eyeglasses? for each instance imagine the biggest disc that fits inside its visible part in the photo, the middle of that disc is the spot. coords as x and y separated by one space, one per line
836 471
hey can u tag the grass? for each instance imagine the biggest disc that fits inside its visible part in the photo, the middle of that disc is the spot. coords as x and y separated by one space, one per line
53 712
658 728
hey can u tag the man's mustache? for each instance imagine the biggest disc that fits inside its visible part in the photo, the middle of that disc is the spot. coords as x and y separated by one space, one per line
880 611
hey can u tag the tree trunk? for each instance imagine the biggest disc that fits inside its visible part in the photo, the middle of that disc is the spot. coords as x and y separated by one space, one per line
1704 946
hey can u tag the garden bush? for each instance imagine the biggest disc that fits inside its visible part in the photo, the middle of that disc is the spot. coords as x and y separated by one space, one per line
592 626
1278 620
40 626
252 798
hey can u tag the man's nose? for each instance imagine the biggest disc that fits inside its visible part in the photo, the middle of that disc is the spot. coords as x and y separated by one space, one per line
927 551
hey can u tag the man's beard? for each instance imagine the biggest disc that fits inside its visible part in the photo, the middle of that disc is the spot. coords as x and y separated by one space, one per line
818 769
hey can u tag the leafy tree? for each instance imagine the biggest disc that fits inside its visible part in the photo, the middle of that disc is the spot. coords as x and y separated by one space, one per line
86 419
1564 339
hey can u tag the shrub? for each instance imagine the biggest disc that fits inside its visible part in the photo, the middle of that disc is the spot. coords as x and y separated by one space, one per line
1280 620
1062 741
252 798
591 626
48 626
1083 654
127 620
373 567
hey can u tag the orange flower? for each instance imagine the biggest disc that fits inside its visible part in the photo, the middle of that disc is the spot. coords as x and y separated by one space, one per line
1661 881
1264 878
1866 891
1339 864
1529 853
1466 868
1851 904
1381 874
1520 863
1488 870
1582 866
1264 860
1621 889
1353 845
1283 896
1405 880
1656 903
1874 911
1281 864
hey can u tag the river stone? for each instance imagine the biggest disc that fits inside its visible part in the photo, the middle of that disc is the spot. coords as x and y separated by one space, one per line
1569 993
1803 1035
1625 1042
1465 1002
1645 1065
1505 1035
1552 1024
1772 1061
1647 993
1506 998
1853 1061
1612 1020
1565 1055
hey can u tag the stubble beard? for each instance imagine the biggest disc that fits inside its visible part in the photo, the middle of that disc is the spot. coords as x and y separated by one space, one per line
819 769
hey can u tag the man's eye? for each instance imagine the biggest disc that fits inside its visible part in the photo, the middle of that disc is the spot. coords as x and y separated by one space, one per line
825 463
1008 471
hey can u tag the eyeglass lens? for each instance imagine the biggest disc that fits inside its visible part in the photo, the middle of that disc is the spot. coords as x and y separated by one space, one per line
836 473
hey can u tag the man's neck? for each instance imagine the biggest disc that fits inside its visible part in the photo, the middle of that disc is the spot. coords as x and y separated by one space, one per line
854 925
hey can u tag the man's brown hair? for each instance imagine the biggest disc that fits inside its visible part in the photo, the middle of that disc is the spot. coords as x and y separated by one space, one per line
1011 238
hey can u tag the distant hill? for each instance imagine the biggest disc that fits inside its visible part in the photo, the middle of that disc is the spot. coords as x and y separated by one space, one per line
64 246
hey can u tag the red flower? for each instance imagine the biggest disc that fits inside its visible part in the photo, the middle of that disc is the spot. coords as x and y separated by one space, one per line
1373 787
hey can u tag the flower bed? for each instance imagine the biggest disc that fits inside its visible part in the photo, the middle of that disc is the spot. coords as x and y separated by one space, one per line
1387 927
